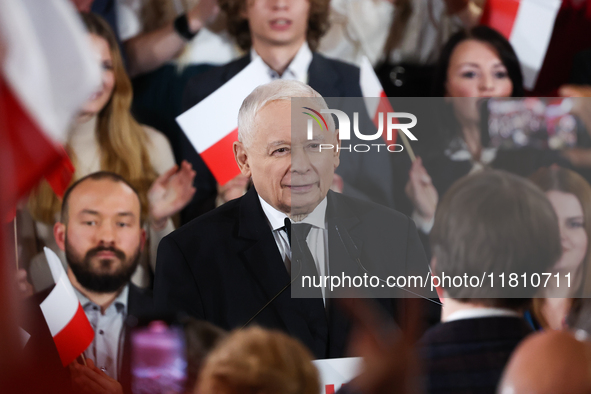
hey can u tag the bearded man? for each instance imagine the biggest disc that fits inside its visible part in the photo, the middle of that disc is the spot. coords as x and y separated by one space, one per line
102 234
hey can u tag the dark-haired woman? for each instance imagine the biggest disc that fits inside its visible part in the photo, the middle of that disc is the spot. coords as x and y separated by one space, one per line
474 64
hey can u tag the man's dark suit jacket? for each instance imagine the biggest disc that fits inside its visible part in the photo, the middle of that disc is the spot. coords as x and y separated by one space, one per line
140 305
224 266
468 356
364 173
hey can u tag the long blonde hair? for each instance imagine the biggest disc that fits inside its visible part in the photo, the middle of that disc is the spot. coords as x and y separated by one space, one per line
122 141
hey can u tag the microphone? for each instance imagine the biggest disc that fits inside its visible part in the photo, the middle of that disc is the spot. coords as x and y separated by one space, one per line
283 289
352 250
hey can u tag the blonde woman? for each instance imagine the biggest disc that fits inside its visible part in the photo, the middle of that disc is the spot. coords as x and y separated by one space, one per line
106 137
259 361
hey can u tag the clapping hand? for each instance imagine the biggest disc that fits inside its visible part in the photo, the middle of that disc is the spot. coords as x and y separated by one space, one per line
203 14
337 183
25 289
232 189
170 192
421 192
579 157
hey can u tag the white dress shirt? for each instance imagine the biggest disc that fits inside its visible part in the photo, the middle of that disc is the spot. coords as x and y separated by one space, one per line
477 313
317 238
297 69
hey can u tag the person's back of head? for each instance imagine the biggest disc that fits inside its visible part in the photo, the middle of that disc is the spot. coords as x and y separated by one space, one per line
551 362
201 338
255 360
492 224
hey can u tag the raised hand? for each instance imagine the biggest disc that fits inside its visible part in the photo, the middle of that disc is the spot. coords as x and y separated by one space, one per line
232 189
337 183
575 91
25 289
170 192
203 14
421 192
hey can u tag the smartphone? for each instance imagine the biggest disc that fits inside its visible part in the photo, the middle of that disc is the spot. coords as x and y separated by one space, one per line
158 360
532 122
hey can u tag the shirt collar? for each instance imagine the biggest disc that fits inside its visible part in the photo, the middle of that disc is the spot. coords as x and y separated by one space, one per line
297 69
458 151
317 217
476 313
276 218
120 301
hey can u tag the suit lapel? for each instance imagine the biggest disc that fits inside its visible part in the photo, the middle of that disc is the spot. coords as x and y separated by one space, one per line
235 67
134 304
263 260
344 238
345 249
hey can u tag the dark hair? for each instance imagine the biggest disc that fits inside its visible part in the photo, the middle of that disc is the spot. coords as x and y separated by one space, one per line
486 35
95 176
201 338
567 181
494 222
238 27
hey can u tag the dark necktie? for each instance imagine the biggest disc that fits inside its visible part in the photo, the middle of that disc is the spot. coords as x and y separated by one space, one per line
300 252
309 297
287 228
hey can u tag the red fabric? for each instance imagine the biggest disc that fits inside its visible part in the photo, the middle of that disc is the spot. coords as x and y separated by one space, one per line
500 14
31 153
59 179
75 338
384 106
220 158
571 34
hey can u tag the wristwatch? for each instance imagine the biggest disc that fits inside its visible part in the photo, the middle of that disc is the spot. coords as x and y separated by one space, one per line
181 26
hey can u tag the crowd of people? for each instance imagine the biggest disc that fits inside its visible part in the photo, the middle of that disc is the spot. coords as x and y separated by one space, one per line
147 234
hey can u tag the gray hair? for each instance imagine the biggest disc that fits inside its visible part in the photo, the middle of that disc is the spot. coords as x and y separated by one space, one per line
273 91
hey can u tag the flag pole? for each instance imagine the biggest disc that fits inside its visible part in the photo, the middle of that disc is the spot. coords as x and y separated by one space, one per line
83 357
407 146
15 242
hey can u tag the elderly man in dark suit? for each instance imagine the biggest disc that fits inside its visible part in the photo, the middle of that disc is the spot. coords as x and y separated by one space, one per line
285 35
491 223
232 266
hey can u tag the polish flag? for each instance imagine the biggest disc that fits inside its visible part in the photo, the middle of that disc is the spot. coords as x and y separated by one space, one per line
212 124
375 98
67 322
528 25
48 73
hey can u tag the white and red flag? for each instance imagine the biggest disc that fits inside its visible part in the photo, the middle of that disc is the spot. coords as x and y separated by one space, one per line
372 89
48 73
212 124
65 317
528 25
